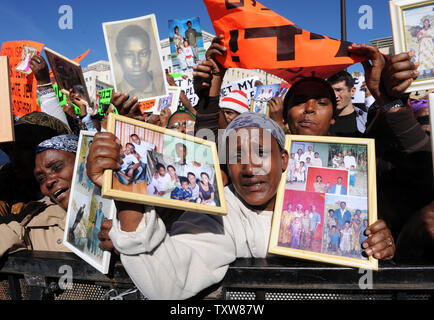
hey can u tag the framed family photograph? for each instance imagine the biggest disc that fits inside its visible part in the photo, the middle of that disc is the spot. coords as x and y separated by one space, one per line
157 105
87 210
68 74
325 201
413 31
165 168
134 51
186 44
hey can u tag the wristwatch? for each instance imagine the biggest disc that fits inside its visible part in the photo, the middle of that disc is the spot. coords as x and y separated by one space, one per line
392 105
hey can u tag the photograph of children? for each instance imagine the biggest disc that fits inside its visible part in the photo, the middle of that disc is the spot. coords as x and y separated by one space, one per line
133 48
352 158
24 65
301 225
68 74
326 180
346 219
265 93
186 44
304 155
419 37
87 210
164 166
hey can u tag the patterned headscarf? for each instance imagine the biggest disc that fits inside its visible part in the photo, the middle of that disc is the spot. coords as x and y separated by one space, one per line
66 142
253 119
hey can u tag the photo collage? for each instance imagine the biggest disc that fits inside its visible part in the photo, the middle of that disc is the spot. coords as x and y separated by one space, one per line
87 210
325 206
165 166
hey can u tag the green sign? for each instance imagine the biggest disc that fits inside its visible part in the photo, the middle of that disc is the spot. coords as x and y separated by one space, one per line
105 95
62 98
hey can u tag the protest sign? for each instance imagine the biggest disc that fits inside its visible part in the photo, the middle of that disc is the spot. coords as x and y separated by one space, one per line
257 37
186 44
6 117
23 86
186 84
247 85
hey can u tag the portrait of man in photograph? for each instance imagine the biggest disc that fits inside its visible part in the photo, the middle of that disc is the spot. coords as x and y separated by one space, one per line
135 59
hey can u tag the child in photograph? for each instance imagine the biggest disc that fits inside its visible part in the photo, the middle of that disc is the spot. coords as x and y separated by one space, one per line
308 163
160 181
295 233
355 229
330 221
305 229
181 59
334 239
188 54
130 169
300 172
184 192
353 174
345 245
142 148
335 162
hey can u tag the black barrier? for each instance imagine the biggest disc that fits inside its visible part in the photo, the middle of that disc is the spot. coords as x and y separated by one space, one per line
40 275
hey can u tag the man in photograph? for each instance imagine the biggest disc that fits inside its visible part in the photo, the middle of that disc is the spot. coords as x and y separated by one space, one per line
338 187
140 74
342 214
349 160
316 161
192 37
315 221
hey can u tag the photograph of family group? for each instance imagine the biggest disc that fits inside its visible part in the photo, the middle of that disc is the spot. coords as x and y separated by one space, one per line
323 202
162 168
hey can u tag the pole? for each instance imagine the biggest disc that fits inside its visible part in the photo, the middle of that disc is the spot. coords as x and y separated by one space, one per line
343 21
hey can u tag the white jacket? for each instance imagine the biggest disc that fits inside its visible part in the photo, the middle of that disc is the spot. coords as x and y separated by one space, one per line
196 254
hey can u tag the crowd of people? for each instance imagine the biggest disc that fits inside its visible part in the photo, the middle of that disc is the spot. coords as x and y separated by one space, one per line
195 249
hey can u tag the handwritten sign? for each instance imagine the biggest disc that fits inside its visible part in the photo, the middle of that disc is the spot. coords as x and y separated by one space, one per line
247 85
23 86
187 86
286 50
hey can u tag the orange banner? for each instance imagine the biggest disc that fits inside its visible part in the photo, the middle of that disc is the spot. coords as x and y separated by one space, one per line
258 38
23 86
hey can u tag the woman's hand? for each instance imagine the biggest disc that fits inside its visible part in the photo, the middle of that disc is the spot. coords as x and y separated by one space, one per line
380 243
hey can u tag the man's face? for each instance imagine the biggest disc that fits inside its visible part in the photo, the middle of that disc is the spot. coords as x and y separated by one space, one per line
343 205
309 149
162 171
100 205
256 181
134 57
339 180
311 110
181 152
343 94
230 114
189 25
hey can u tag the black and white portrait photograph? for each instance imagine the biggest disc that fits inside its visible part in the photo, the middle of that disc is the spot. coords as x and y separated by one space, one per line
133 48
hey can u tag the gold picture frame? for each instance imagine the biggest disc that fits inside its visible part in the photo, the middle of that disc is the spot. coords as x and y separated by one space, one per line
164 144
410 34
320 238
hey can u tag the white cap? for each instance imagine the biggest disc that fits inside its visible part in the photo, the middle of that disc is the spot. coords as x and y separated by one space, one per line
236 100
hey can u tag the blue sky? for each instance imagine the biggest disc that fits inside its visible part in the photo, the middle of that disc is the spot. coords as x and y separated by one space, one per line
38 20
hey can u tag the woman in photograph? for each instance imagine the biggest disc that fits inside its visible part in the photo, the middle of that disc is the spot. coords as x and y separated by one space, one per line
426 47
177 39
319 186
206 190
285 224
173 181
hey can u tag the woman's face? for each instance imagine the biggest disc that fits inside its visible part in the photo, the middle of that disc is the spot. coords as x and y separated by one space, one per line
171 171
426 24
205 179
53 171
311 110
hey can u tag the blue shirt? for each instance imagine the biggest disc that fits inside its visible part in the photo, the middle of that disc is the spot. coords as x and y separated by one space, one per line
334 238
316 220
342 218
181 194
99 215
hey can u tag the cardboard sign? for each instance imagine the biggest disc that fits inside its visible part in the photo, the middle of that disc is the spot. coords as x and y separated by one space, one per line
23 86
257 37
6 117
247 85
187 86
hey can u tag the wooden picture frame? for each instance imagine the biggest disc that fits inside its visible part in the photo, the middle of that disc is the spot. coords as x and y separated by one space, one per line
7 133
410 34
85 199
303 225
140 182
68 74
